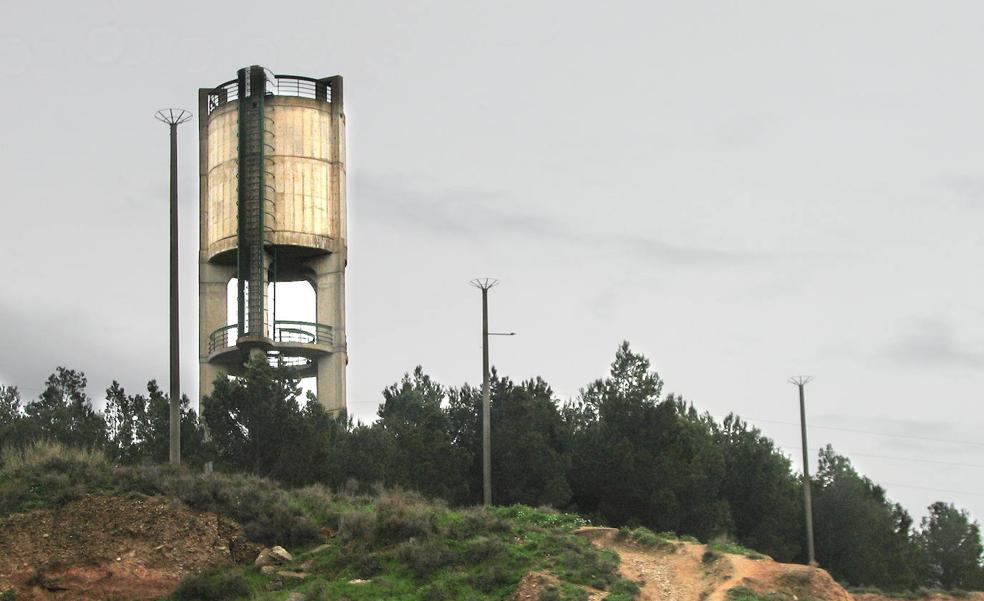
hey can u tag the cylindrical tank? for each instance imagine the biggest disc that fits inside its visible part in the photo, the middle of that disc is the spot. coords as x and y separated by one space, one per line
304 152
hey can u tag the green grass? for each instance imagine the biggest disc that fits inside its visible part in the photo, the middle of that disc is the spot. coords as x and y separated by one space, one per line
410 549
644 537
544 517
742 593
734 549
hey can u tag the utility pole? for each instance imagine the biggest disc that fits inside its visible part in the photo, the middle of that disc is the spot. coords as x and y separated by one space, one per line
173 118
800 382
485 284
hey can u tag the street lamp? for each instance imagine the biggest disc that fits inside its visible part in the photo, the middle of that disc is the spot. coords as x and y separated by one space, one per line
173 118
485 284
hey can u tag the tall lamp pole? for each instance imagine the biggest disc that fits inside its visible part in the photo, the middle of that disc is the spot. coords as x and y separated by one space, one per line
800 382
173 118
485 284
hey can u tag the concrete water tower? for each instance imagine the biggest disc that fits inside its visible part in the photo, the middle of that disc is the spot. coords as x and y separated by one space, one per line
272 203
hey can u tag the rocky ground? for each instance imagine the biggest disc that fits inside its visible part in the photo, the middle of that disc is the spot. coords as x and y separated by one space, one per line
111 547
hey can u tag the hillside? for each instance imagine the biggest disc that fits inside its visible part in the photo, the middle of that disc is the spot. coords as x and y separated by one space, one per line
74 527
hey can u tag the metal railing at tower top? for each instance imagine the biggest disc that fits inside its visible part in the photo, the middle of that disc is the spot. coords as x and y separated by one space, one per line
276 85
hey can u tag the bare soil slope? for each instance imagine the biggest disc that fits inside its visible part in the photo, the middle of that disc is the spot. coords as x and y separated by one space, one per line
101 547
678 572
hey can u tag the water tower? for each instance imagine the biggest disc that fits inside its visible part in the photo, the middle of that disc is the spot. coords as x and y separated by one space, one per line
272 204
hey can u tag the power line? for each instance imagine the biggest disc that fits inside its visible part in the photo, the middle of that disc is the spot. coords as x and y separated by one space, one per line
907 459
952 492
912 486
868 432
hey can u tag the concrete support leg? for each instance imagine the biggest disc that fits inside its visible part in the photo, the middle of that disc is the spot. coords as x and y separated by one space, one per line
329 285
213 287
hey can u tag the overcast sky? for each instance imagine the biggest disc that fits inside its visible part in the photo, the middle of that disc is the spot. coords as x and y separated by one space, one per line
745 191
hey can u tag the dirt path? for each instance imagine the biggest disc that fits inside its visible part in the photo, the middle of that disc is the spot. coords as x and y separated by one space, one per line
678 572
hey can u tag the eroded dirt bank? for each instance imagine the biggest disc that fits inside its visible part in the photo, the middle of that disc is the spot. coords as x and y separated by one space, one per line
111 547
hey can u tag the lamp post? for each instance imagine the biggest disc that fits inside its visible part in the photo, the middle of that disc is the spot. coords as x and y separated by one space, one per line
485 284
173 118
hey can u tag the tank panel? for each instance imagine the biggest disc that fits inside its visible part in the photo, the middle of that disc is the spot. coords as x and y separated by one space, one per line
223 153
306 177
301 168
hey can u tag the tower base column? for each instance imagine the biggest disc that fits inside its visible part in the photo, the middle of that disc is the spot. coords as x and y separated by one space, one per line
213 289
329 286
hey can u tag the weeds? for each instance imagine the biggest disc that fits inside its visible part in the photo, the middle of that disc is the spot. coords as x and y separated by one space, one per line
545 517
424 557
50 475
213 586
710 556
735 549
644 537
623 590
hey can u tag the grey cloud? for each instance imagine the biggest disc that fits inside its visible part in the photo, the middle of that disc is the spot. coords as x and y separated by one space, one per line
471 212
901 436
931 342
967 188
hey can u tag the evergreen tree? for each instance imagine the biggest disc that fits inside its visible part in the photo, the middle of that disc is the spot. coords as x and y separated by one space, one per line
420 455
952 544
530 462
639 458
763 495
15 430
64 413
861 537
255 421
138 427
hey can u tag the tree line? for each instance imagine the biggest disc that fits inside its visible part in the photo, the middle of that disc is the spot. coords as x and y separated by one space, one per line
622 453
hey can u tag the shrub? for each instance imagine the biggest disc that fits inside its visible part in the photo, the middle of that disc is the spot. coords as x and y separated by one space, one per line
267 513
476 522
212 586
797 578
483 549
327 508
581 563
566 592
424 557
490 578
743 593
401 516
48 474
45 473
358 527
9 595
439 591
363 562
645 537
626 588
710 556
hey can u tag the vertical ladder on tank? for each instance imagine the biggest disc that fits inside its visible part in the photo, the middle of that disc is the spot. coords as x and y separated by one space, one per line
252 199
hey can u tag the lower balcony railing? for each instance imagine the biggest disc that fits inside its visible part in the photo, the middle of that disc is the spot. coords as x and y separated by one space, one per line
296 332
